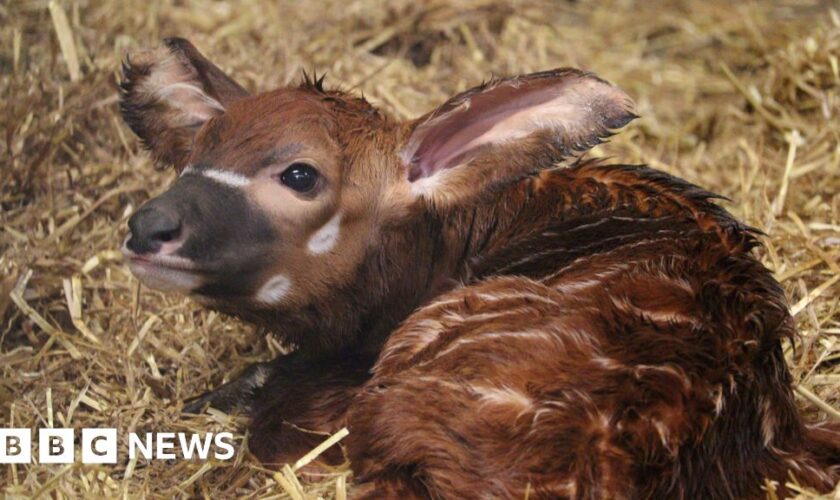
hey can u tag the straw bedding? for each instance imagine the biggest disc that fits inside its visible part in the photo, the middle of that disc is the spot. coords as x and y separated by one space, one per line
743 99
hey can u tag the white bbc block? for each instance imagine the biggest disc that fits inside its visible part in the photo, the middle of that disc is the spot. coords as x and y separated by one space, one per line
55 446
15 446
99 446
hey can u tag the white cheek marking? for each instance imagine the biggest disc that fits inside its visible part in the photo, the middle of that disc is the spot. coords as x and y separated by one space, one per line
225 177
325 238
274 290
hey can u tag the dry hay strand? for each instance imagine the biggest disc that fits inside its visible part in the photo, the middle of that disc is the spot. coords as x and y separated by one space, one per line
742 99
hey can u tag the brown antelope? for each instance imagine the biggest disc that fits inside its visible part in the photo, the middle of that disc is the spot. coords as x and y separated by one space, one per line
485 318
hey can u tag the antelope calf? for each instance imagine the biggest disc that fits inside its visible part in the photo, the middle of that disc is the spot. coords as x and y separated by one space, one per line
487 320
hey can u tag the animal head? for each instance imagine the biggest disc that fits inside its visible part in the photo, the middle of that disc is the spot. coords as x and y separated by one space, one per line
282 195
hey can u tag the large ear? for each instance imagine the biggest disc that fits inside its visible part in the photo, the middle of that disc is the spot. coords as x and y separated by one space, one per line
168 93
507 128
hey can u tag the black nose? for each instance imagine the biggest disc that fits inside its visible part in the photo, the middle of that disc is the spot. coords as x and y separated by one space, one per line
151 227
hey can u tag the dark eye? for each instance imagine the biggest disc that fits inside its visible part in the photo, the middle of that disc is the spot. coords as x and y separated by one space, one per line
300 177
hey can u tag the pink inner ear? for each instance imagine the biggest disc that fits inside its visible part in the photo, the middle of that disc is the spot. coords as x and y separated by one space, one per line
191 101
176 82
577 107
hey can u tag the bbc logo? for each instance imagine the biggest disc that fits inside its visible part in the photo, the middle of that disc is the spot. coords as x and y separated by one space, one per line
57 446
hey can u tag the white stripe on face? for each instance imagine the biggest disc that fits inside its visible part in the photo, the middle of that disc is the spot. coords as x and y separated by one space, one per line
274 290
325 238
225 177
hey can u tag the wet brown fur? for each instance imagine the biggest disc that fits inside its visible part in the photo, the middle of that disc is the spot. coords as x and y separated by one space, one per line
595 331
632 350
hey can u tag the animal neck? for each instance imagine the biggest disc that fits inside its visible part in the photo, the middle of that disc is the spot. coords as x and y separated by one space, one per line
484 237
540 224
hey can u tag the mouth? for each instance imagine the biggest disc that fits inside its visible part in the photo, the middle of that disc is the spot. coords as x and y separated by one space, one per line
164 272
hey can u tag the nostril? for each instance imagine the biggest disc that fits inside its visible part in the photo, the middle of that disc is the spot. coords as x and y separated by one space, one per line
150 228
167 235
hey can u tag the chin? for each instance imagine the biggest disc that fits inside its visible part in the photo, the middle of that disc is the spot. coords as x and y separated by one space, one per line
165 279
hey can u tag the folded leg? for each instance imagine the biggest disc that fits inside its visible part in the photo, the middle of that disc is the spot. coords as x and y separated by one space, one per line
294 403
301 403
